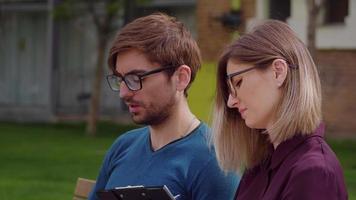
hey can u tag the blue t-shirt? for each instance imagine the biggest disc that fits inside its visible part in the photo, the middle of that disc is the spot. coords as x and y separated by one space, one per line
187 166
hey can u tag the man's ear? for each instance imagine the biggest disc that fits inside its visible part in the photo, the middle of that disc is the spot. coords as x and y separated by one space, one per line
280 71
183 75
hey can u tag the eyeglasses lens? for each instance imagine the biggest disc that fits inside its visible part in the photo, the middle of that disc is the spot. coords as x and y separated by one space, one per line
231 88
133 81
114 82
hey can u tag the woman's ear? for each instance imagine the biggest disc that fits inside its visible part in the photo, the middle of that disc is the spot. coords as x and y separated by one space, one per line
183 75
280 71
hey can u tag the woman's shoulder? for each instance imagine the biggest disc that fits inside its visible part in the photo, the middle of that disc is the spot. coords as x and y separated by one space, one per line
316 158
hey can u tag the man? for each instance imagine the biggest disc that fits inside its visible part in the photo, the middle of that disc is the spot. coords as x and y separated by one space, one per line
154 60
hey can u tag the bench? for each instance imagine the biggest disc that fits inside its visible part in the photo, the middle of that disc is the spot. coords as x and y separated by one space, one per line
83 189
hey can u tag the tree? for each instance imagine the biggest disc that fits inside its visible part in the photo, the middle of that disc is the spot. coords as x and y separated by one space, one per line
104 14
104 27
314 7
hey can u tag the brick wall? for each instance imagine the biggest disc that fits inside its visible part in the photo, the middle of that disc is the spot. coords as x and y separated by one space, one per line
338 76
212 35
337 67
248 8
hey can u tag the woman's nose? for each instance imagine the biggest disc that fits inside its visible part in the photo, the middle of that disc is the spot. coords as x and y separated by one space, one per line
232 102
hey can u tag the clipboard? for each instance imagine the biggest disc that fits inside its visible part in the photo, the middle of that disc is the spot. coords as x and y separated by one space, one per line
136 193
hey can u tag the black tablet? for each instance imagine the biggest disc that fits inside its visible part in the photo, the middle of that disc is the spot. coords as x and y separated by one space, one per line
136 193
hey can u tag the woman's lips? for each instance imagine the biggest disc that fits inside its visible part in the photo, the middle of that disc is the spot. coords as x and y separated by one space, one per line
242 111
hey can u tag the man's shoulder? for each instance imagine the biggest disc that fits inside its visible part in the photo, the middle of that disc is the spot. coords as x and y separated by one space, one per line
129 137
202 130
202 135
199 145
133 133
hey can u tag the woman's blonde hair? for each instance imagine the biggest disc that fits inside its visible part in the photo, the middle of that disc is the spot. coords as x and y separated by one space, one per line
299 112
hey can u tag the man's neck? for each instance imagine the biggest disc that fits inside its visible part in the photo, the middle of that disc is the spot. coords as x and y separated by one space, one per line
177 125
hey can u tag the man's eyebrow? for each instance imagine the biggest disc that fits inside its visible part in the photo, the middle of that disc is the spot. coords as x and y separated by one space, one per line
135 71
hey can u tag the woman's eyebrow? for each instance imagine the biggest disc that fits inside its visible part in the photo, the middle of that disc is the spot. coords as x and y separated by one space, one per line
236 78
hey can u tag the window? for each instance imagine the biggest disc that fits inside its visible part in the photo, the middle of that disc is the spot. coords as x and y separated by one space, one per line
336 11
279 9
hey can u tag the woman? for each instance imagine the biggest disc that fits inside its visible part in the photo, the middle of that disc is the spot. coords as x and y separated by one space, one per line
267 120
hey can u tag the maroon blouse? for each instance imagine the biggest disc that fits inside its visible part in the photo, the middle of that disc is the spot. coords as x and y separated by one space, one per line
303 167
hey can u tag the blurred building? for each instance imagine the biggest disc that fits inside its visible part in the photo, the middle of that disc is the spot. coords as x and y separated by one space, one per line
47 65
335 42
336 55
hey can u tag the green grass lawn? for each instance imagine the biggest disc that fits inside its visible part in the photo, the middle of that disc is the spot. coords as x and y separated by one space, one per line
43 161
345 151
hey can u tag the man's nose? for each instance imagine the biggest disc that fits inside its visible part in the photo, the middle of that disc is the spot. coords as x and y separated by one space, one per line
125 92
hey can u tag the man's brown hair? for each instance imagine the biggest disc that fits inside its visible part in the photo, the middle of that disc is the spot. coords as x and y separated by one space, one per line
163 39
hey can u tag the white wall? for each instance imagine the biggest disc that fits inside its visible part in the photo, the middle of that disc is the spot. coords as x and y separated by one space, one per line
337 36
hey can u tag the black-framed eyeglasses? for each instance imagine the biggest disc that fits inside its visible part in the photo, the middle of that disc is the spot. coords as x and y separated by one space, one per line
231 87
133 81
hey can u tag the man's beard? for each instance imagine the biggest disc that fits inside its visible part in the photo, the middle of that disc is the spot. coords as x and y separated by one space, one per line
156 114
